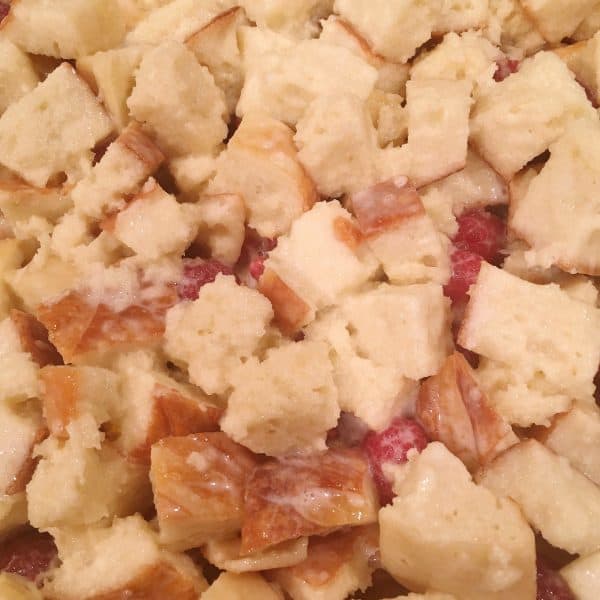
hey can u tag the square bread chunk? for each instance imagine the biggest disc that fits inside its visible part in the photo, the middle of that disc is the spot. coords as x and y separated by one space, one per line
583 575
17 75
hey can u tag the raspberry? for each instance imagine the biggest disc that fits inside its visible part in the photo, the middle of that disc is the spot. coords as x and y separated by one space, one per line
198 272
505 67
4 10
482 233
550 584
254 253
29 554
257 267
465 268
391 446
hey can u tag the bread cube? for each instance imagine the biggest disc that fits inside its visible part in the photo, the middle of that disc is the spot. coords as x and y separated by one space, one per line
285 403
111 75
400 233
566 190
247 586
461 16
14 587
394 30
307 495
589 26
64 28
529 110
261 165
17 74
54 136
178 100
216 333
199 483
120 560
337 566
559 502
582 576
13 513
283 80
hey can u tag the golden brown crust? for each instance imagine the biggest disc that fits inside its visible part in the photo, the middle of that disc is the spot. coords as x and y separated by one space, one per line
136 141
60 392
348 233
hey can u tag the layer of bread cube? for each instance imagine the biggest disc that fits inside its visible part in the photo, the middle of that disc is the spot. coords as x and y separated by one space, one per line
510 27
16 74
64 28
529 110
123 559
246 586
445 532
178 100
559 501
566 190
13 513
15 587
216 333
582 576
261 165
54 136
461 16
285 403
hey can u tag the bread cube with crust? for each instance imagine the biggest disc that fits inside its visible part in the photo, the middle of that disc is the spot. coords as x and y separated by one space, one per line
559 501
509 26
199 483
461 16
178 101
246 586
582 576
124 559
54 136
530 109
567 191
271 180
471 544
16 74
64 28
285 403
216 333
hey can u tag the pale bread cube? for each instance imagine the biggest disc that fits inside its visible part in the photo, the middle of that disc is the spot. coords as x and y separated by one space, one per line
123 559
389 116
216 46
393 29
285 403
461 16
557 19
529 110
17 75
589 26
178 100
217 332
438 127
566 190
64 28
193 172
54 136
112 75
13 513
559 502
15 587
445 532
337 145
261 165
247 586
583 576
387 320
283 78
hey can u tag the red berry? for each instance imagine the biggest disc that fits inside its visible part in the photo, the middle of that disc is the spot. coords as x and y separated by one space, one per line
198 272
257 267
465 268
482 233
550 584
505 67
29 554
4 10
391 446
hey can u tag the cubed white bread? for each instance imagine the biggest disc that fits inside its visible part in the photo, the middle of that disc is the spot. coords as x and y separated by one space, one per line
283 78
17 75
54 136
393 29
64 28
557 19
389 319
261 165
445 532
589 26
389 116
566 191
13 513
337 145
537 331
322 258
285 403
125 165
517 119
400 233
217 332
247 586
583 576
216 46
95 484
15 587
111 74
461 16
122 559
178 100
192 172
469 57
559 501
392 76
438 127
